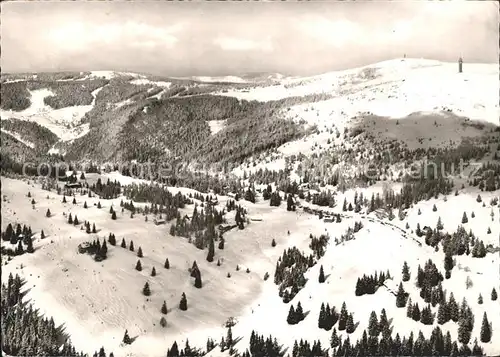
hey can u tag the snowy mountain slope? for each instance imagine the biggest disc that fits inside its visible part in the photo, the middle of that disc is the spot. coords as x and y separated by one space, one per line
424 91
419 103
407 109
97 301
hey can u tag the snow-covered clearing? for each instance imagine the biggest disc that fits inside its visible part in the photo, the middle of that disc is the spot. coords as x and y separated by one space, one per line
64 122
143 81
216 125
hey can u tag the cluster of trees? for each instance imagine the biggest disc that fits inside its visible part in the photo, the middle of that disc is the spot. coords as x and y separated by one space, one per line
108 190
260 346
20 237
349 234
328 317
162 201
68 93
458 243
95 248
203 182
295 315
487 178
41 137
425 315
200 228
289 272
369 284
15 96
187 351
119 89
324 198
24 331
318 244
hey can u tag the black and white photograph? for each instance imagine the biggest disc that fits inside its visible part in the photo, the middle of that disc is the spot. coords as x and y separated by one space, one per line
250 178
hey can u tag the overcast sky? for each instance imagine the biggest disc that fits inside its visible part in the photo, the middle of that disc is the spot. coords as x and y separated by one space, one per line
220 38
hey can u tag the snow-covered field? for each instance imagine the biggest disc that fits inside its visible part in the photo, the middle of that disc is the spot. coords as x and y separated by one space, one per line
98 301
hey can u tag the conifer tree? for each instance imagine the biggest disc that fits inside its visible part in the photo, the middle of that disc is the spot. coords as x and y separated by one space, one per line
146 290
299 312
99 204
343 317
373 326
163 321
229 337
211 250
70 219
94 230
415 312
153 272
167 264
401 296
439 225
64 199
183 303
464 333
74 200
197 280
409 309
42 235
273 243
443 315
85 204
322 323
334 339
321 277
164 308
494 295
480 299
113 215
194 269
139 252
426 316
453 308
464 218
29 247
48 214
126 338
138 266
291 318
349 327
485 330
406 272
131 246
123 245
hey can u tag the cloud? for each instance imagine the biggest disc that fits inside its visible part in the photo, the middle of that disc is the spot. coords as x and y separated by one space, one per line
332 32
242 44
80 36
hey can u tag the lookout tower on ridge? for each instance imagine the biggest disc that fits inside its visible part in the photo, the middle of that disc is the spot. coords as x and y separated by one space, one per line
460 61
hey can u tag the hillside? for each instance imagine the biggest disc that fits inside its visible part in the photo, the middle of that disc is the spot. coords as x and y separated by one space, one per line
315 211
